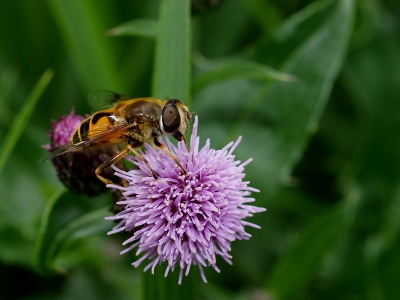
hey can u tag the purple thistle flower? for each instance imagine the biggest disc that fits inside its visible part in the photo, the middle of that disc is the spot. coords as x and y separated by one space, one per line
185 219
62 130
76 170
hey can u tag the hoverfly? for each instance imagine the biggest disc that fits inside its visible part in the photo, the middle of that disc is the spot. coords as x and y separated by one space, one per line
128 124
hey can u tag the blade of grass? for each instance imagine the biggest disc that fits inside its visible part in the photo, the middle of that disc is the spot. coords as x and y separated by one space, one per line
65 220
294 110
296 114
138 27
8 80
88 225
372 76
171 75
91 51
314 244
40 246
239 69
266 13
21 120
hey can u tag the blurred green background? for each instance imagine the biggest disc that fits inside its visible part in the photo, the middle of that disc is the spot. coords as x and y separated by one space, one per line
312 86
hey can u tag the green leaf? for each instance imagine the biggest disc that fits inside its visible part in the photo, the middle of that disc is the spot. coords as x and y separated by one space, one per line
8 80
139 27
303 258
277 119
87 225
108 280
384 283
372 77
293 32
266 13
222 30
377 162
65 221
21 120
43 238
171 75
238 69
92 53
291 111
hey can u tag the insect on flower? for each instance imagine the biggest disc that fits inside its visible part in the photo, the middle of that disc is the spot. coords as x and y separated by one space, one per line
127 124
185 219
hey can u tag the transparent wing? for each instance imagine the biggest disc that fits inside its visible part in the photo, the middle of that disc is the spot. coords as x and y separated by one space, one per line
74 147
104 99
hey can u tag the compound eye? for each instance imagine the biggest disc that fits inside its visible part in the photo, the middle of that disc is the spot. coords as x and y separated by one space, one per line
171 119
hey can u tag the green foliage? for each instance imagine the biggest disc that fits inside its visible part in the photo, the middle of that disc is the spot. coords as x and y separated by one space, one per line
138 27
313 88
172 53
21 120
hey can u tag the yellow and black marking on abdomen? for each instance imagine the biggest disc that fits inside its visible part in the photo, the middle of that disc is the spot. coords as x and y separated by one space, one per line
95 124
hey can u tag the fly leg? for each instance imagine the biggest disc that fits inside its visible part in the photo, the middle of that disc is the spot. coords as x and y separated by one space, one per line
138 155
158 144
112 161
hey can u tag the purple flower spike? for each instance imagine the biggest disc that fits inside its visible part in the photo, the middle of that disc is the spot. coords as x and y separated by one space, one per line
185 219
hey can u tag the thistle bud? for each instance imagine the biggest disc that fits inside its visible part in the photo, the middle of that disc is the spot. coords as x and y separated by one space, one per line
76 170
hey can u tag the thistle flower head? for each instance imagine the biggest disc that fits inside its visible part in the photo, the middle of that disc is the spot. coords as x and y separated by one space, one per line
185 219
75 170
62 130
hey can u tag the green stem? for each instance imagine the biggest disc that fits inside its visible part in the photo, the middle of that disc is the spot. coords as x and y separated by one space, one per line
171 78
158 287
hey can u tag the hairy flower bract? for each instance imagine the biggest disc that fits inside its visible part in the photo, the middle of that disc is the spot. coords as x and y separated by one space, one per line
185 219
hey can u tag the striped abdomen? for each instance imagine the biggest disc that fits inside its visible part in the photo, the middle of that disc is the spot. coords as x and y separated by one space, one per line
96 124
